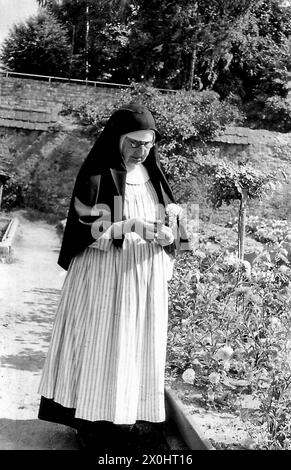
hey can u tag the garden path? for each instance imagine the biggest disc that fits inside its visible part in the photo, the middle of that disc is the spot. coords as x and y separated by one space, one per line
29 291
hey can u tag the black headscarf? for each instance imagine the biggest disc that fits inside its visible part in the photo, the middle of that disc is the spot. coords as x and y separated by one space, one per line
103 176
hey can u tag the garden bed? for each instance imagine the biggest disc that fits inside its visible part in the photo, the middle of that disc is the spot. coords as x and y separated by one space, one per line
4 222
224 428
229 341
8 227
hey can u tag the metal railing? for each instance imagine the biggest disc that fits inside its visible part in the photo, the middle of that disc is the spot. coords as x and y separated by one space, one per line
50 79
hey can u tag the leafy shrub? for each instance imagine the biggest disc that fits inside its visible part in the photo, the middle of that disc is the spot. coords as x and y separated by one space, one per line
12 193
272 113
230 323
181 117
268 231
185 115
277 114
89 112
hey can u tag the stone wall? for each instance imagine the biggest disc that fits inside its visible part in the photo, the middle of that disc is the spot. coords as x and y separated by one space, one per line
35 104
270 151
27 104
265 149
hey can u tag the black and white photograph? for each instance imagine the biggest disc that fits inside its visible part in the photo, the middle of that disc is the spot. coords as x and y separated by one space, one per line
145 229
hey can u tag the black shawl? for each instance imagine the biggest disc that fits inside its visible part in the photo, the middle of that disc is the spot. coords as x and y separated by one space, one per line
103 175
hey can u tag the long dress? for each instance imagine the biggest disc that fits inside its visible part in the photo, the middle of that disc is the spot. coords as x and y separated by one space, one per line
108 348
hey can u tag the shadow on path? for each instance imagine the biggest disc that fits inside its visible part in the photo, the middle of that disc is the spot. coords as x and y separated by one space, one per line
34 434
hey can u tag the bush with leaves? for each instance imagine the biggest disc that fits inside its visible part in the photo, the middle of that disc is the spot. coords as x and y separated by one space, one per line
181 117
230 324
241 182
272 113
12 192
269 231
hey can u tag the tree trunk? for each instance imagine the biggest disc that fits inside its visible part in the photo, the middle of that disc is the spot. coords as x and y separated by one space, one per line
242 224
87 41
72 50
192 68
1 192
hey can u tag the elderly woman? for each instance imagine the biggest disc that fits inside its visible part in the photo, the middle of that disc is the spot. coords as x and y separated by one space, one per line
107 353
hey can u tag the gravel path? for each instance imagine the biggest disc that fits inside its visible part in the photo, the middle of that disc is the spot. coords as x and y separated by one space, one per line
29 291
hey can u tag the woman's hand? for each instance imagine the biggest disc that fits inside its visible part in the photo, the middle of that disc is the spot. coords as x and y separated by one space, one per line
146 229
164 236
153 231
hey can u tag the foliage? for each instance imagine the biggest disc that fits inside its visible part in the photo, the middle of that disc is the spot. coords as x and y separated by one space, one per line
239 47
12 192
273 113
38 46
185 115
230 323
229 180
268 231
259 54
98 36
181 117
197 36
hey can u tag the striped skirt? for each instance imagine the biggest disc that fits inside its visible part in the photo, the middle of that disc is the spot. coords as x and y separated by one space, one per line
107 353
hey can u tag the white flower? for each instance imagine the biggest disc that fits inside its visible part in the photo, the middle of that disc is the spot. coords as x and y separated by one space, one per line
226 365
189 376
173 210
231 260
214 378
275 324
224 353
246 266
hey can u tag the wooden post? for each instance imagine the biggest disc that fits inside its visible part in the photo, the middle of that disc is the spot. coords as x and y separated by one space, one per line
192 68
242 224
72 51
1 192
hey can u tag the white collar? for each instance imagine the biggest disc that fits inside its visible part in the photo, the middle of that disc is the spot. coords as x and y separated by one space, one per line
138 175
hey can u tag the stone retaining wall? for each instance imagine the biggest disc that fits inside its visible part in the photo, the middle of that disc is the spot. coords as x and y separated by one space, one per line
35 104
270 151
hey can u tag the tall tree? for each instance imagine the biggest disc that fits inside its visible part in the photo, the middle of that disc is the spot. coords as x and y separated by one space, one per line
193 43
38 46
98 31
259 54
226 45
170 39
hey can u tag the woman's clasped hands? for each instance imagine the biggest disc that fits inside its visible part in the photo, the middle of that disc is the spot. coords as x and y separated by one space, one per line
153 231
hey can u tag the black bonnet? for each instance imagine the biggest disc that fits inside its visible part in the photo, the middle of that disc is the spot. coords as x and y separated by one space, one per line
132 117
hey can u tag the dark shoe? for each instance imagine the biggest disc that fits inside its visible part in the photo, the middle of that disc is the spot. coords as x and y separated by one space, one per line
86 440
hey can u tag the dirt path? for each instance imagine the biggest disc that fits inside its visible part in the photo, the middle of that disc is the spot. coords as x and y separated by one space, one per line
29 292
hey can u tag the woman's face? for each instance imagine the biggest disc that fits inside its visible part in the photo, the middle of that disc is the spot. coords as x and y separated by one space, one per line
134 150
